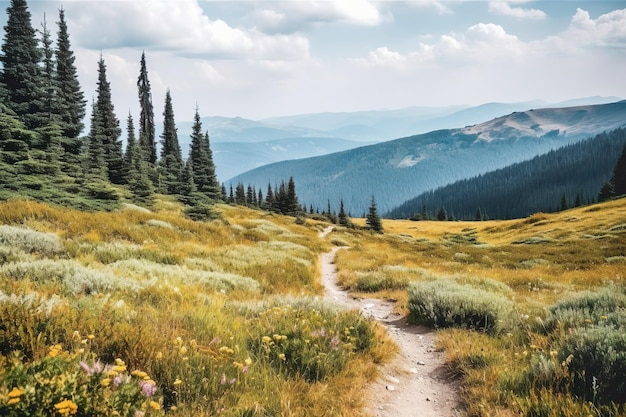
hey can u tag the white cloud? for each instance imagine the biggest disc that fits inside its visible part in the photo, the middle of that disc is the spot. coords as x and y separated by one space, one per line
302 15
504 8
483 42
608 30
177 26
438 5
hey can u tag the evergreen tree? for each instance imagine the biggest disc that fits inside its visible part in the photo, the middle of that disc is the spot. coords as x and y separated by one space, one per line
71 100
187 185
131 139
260 201
270 200
231 196
442 215
95 160
107 125
240 194
619 175
51 90
292 207
607 191
146 117
250 196
202 164
373 219
21 74
342 217
171 162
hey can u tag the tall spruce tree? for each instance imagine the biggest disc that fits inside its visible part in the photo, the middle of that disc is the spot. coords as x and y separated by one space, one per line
70 97
131 140
146 116
48 74
95 159
373 219
171 161
108 126
202 164
21 74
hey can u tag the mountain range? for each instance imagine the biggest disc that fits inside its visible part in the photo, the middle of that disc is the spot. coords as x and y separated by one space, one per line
397 170
236 141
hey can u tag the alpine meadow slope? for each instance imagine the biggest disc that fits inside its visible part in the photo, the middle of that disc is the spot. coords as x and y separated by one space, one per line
400 169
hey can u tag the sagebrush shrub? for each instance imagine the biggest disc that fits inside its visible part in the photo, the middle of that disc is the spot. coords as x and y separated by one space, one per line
443 303
31 241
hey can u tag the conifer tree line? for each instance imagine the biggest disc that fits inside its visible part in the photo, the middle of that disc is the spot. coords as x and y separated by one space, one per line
42 109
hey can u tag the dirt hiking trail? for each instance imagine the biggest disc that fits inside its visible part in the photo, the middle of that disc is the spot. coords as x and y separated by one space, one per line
414 384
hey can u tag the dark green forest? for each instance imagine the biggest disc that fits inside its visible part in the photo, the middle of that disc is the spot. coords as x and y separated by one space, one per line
43 156
566 177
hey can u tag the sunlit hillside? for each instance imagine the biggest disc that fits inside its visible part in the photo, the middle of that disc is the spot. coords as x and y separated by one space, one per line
147 312
531 312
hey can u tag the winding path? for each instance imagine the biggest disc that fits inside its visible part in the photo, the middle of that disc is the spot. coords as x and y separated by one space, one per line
414 384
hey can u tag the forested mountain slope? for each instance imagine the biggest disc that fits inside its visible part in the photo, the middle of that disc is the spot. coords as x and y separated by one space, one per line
396 170
575 171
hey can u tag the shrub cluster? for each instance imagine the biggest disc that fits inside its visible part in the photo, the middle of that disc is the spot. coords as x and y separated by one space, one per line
444 303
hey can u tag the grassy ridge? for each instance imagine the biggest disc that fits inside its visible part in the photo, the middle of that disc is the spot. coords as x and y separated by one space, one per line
531 311
139 313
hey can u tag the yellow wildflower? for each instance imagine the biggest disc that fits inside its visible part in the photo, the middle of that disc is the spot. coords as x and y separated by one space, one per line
182 350
178 382
91 337
266 339
14 400
155 405
588 321
16 392
282 357
248 361
159 355
66 407
139 374
105 382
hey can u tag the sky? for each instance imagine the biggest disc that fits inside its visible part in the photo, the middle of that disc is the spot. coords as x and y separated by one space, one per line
259 59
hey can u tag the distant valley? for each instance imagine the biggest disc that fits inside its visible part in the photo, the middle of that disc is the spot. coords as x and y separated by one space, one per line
307 135
397 170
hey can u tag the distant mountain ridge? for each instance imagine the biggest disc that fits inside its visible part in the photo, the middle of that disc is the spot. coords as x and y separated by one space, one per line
322 129
576 172
397 170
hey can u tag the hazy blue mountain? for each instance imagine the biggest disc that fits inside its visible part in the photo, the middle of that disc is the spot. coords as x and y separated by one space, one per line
233 158
576 171
397 170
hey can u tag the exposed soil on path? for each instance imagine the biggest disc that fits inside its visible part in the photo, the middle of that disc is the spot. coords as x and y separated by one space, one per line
415 383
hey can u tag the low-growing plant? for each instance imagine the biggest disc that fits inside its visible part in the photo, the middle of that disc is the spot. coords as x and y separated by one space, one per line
45 244
443 303
311 344
76 383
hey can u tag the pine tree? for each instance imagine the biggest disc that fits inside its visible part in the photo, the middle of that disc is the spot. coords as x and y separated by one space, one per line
442 215
373 219
202 164
188 187
343 217
51 90
292 207
71 100
240 194
107 125
146 117
171 161
250 196
95 160
270 200
21 74
131 139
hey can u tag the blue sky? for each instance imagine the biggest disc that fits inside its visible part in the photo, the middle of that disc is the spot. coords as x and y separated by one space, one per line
259 59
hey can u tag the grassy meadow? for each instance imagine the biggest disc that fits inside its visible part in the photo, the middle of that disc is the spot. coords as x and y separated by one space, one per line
531 313
139 313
